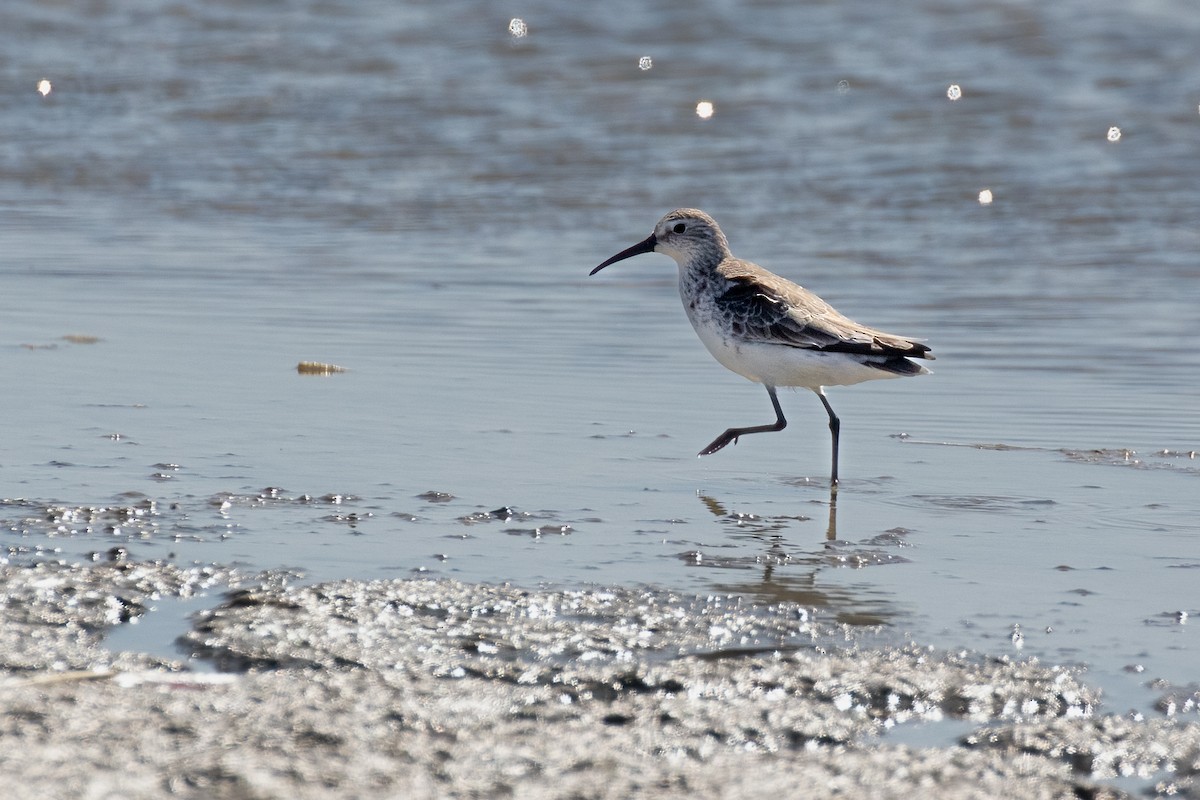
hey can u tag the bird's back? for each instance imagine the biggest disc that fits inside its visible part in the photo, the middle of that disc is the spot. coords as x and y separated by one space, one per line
775 310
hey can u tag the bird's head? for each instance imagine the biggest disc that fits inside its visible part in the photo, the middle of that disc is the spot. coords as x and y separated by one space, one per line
687 235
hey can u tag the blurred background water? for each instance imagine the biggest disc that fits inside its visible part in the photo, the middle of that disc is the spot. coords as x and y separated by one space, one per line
211 192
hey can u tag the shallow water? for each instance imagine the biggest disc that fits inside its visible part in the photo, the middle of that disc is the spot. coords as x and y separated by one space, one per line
217 193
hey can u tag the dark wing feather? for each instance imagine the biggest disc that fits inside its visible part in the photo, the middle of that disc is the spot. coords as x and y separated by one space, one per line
770 309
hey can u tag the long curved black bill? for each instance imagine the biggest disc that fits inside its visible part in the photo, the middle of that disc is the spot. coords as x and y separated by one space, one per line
645 246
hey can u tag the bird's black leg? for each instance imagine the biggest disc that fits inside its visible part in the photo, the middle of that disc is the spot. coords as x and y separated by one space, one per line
835 427
732 434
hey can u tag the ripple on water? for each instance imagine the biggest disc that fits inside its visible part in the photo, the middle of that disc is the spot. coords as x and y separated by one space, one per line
1185 461
977 502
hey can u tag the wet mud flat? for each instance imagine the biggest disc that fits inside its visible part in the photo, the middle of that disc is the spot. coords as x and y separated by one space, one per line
435 688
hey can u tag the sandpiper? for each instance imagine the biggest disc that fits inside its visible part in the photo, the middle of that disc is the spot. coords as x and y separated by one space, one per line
766 328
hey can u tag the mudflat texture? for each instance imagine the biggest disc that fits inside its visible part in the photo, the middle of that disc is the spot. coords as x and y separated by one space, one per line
429 689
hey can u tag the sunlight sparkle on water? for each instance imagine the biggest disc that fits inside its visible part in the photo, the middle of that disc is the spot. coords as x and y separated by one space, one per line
645 63
954 92
704 109
518 28
985 197
44 87
1114 134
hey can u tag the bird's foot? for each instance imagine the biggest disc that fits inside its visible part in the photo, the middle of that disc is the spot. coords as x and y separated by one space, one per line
728 437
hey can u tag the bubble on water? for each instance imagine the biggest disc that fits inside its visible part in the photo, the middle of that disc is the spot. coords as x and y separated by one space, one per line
985 197
518 28
954 92
1114 134
704 109
44 87
843 86
645 63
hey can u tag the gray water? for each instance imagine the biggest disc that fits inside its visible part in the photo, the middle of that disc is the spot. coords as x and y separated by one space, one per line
212 193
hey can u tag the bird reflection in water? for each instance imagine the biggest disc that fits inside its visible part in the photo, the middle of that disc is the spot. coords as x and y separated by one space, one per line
774 523
789 573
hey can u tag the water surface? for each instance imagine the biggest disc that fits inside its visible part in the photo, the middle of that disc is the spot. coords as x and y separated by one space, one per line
212 193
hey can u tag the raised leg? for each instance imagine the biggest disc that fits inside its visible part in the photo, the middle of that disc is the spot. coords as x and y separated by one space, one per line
732 434
835 427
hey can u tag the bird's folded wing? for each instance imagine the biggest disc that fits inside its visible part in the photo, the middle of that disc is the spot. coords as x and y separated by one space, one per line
792 316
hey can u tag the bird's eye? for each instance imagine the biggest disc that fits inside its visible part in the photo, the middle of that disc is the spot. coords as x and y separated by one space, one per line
679 227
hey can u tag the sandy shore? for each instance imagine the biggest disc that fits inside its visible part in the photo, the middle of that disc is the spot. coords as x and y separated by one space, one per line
431 689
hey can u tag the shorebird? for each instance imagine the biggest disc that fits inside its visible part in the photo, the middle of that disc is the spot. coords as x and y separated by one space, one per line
766 328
